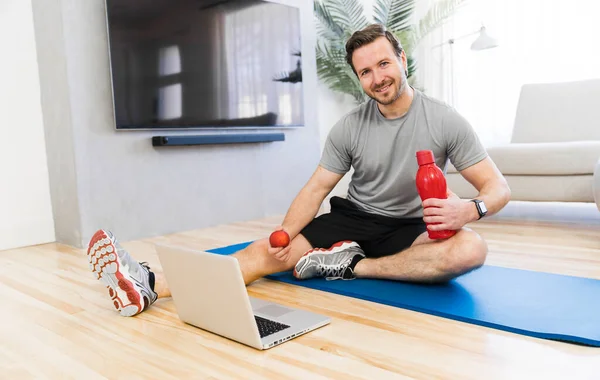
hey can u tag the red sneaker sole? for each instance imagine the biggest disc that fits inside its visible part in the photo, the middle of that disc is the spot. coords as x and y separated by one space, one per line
105 263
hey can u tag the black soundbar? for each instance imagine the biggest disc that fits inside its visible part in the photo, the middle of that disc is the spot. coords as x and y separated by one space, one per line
231 138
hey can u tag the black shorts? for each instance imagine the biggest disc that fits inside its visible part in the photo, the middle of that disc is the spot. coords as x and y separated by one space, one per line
377 235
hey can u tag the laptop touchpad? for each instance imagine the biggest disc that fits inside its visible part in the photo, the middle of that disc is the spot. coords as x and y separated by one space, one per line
274 310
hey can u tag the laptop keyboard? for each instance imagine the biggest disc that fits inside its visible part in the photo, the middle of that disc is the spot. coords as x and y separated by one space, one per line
267 327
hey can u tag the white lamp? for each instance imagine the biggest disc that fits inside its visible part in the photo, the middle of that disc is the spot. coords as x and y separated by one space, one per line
484 41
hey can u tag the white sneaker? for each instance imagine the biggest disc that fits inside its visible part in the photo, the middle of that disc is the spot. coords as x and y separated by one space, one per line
127 280
331 263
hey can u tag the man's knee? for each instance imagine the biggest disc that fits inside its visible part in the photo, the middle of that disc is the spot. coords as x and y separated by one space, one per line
467 251
259 246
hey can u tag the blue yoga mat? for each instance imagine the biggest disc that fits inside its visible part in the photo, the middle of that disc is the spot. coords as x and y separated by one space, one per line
542 305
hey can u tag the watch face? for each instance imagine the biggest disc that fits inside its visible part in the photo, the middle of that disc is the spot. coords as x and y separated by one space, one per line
482 208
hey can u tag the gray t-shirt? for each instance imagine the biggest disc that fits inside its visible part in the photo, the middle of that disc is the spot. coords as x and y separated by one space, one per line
383 152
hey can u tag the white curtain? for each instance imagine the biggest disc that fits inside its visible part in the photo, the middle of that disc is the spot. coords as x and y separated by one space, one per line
540 41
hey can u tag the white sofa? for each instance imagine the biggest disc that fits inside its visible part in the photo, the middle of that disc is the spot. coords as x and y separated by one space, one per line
554 153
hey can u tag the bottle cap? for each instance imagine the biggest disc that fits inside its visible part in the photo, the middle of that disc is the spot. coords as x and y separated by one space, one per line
425 157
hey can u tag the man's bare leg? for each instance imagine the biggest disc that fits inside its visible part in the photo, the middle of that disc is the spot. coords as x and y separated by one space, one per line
429 260
255 262
160 285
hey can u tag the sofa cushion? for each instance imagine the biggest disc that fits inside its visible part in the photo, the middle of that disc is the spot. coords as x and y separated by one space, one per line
565 158
557 112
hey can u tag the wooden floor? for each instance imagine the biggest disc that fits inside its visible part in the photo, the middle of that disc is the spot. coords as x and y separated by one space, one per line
58 322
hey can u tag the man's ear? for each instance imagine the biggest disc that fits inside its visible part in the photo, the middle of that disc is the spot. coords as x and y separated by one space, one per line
404 61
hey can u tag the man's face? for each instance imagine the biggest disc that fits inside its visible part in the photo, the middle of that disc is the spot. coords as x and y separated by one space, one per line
380 72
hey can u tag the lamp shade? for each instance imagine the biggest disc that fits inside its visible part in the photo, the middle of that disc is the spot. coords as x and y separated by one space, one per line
484 41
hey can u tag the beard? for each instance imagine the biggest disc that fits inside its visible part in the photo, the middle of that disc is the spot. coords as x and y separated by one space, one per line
392 94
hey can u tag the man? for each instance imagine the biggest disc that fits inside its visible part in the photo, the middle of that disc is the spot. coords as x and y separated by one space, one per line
379 230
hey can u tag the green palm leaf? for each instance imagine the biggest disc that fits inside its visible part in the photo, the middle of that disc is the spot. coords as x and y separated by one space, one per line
336 74
406 38
327 27
381 11
348 14
400 15
436 15
412 66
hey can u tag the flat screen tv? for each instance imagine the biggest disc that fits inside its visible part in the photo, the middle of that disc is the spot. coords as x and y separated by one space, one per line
179 64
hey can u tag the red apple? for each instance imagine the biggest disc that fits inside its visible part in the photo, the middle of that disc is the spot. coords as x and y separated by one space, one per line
279 238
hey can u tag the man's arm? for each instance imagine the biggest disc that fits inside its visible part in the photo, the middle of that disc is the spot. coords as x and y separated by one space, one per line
453 213
491 184
306 204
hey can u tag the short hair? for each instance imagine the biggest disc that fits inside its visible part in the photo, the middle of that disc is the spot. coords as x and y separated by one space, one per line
368 35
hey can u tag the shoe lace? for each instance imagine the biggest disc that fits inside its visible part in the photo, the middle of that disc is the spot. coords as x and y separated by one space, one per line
145 265
334 272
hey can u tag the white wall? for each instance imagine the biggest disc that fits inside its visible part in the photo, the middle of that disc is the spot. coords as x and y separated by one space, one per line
25 209
332 106
103 178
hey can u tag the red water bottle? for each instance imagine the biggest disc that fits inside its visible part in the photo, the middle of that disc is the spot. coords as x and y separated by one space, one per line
431 183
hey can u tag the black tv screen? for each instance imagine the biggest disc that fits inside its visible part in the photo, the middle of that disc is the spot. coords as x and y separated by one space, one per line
205 63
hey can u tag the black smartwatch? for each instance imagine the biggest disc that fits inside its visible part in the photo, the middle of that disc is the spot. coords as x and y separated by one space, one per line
481 209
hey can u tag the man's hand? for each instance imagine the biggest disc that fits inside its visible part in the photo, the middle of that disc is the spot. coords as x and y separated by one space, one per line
451 213
279 253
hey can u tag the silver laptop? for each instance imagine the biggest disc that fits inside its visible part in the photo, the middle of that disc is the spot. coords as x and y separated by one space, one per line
209 292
